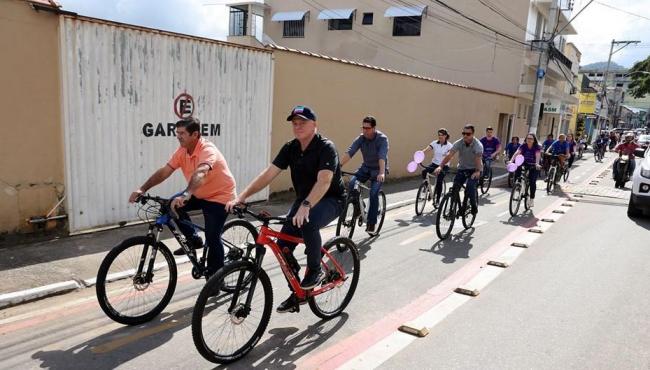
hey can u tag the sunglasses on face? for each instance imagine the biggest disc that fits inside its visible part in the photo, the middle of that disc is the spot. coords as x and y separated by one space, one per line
467 133
366 128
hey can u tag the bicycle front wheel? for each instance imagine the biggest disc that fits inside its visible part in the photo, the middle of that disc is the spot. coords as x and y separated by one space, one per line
446 216
566 174
224 327
515 199
421 198
438 197
341 265
238 238
381 212
132 285
486 181
347 220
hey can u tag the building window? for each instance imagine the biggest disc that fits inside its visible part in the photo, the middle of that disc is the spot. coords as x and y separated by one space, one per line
592 74
238 21
367 18
407 26
619 84
519 111
340 24
294 28
619 75
599 75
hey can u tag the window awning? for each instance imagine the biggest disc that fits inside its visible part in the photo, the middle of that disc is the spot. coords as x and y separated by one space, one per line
336 14
289 16
405 11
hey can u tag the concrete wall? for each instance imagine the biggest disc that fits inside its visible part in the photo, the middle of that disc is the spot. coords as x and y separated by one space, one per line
31 150
408 109
462 52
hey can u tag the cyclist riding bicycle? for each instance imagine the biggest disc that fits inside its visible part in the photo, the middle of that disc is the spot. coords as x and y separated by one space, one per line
210 186
374 150
512 147
470 165
601 143
548 142
441 148
532 153
560 148
573 144
627 147
316 178
491 146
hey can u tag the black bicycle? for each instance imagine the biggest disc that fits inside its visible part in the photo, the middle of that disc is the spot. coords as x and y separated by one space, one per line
452 208
426 192
355 211
520 192
555 173
137 278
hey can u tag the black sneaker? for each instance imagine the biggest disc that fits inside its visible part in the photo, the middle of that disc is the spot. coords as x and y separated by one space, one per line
196 243
370 229
291 304
312 279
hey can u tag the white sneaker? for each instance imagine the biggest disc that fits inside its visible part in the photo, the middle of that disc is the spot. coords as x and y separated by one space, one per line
531 202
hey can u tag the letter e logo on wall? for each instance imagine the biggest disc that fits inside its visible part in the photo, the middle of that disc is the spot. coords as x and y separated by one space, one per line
184 106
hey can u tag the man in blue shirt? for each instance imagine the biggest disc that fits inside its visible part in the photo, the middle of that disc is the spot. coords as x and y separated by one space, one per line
560 148
374 149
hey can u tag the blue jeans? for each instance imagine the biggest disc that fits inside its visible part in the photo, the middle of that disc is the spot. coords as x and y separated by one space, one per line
463 176
364 174
324 212
441 177
215 216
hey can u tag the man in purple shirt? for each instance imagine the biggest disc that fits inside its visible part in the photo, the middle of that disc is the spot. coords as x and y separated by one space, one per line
491 148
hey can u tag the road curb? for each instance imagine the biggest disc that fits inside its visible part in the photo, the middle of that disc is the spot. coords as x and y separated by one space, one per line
27 295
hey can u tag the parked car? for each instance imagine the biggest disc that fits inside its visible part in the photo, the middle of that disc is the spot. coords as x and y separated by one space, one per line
640 198
644 141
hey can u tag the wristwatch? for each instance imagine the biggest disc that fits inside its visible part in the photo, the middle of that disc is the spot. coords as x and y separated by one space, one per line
187 194
306 203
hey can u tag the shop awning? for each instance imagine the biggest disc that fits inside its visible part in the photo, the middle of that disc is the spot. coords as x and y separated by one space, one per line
336 14
405 11
289 16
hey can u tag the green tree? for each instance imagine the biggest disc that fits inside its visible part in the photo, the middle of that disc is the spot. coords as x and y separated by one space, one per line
640 85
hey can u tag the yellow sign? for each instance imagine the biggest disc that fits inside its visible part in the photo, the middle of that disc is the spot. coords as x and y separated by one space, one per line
587 103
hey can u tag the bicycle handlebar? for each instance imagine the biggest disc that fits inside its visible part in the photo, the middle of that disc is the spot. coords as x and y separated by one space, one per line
345 173
263 216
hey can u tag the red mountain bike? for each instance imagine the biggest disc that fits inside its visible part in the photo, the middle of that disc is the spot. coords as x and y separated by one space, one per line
234 308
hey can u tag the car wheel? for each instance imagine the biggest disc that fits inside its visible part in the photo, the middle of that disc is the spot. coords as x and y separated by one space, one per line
632 210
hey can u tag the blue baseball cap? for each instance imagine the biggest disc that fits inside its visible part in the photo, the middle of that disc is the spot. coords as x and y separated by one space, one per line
302 112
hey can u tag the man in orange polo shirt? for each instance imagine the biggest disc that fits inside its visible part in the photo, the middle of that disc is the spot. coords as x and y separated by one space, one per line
210 186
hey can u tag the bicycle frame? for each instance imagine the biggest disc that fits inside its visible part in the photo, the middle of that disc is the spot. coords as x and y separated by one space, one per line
266 238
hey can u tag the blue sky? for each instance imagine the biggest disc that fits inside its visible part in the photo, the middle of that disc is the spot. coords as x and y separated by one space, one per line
596 26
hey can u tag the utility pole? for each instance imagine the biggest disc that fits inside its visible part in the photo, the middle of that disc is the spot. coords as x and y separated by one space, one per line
542 65
606 75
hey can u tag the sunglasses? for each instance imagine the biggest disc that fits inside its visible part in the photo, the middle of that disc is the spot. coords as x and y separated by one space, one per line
467 133
366 127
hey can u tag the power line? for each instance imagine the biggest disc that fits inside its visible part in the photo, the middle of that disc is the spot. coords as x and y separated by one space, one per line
554 35
500 12
622 10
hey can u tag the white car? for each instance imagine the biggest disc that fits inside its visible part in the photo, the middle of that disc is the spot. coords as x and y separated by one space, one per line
640 197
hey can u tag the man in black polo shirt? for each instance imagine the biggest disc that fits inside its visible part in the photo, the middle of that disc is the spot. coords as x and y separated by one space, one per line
316 178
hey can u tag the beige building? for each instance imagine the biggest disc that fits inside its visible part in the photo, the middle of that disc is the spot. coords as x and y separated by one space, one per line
558 95
422 38
31 148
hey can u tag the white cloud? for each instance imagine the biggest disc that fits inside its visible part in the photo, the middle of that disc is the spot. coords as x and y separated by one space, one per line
598 25
193 17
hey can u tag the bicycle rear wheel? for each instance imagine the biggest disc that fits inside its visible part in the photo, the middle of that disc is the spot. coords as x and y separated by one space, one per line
225 328
565 175
515 199
437 198
468 217
238 238
446 216
381 212
550 180
343 258
421 198
347 220
132 294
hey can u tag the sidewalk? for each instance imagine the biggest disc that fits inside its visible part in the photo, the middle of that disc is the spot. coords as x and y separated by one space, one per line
37 270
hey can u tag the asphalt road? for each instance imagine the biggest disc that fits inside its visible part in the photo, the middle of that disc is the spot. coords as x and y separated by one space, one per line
575 298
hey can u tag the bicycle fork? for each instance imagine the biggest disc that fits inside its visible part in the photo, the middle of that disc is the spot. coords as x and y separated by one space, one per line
246 307
150 266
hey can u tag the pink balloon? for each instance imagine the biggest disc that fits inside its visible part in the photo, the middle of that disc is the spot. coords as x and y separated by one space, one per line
411 167
512 167
418 157
519 160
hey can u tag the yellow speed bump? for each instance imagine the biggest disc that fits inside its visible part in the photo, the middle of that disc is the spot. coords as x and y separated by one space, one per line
498 263
467 291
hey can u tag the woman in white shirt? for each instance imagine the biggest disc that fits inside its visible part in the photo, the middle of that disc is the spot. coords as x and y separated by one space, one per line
440 149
